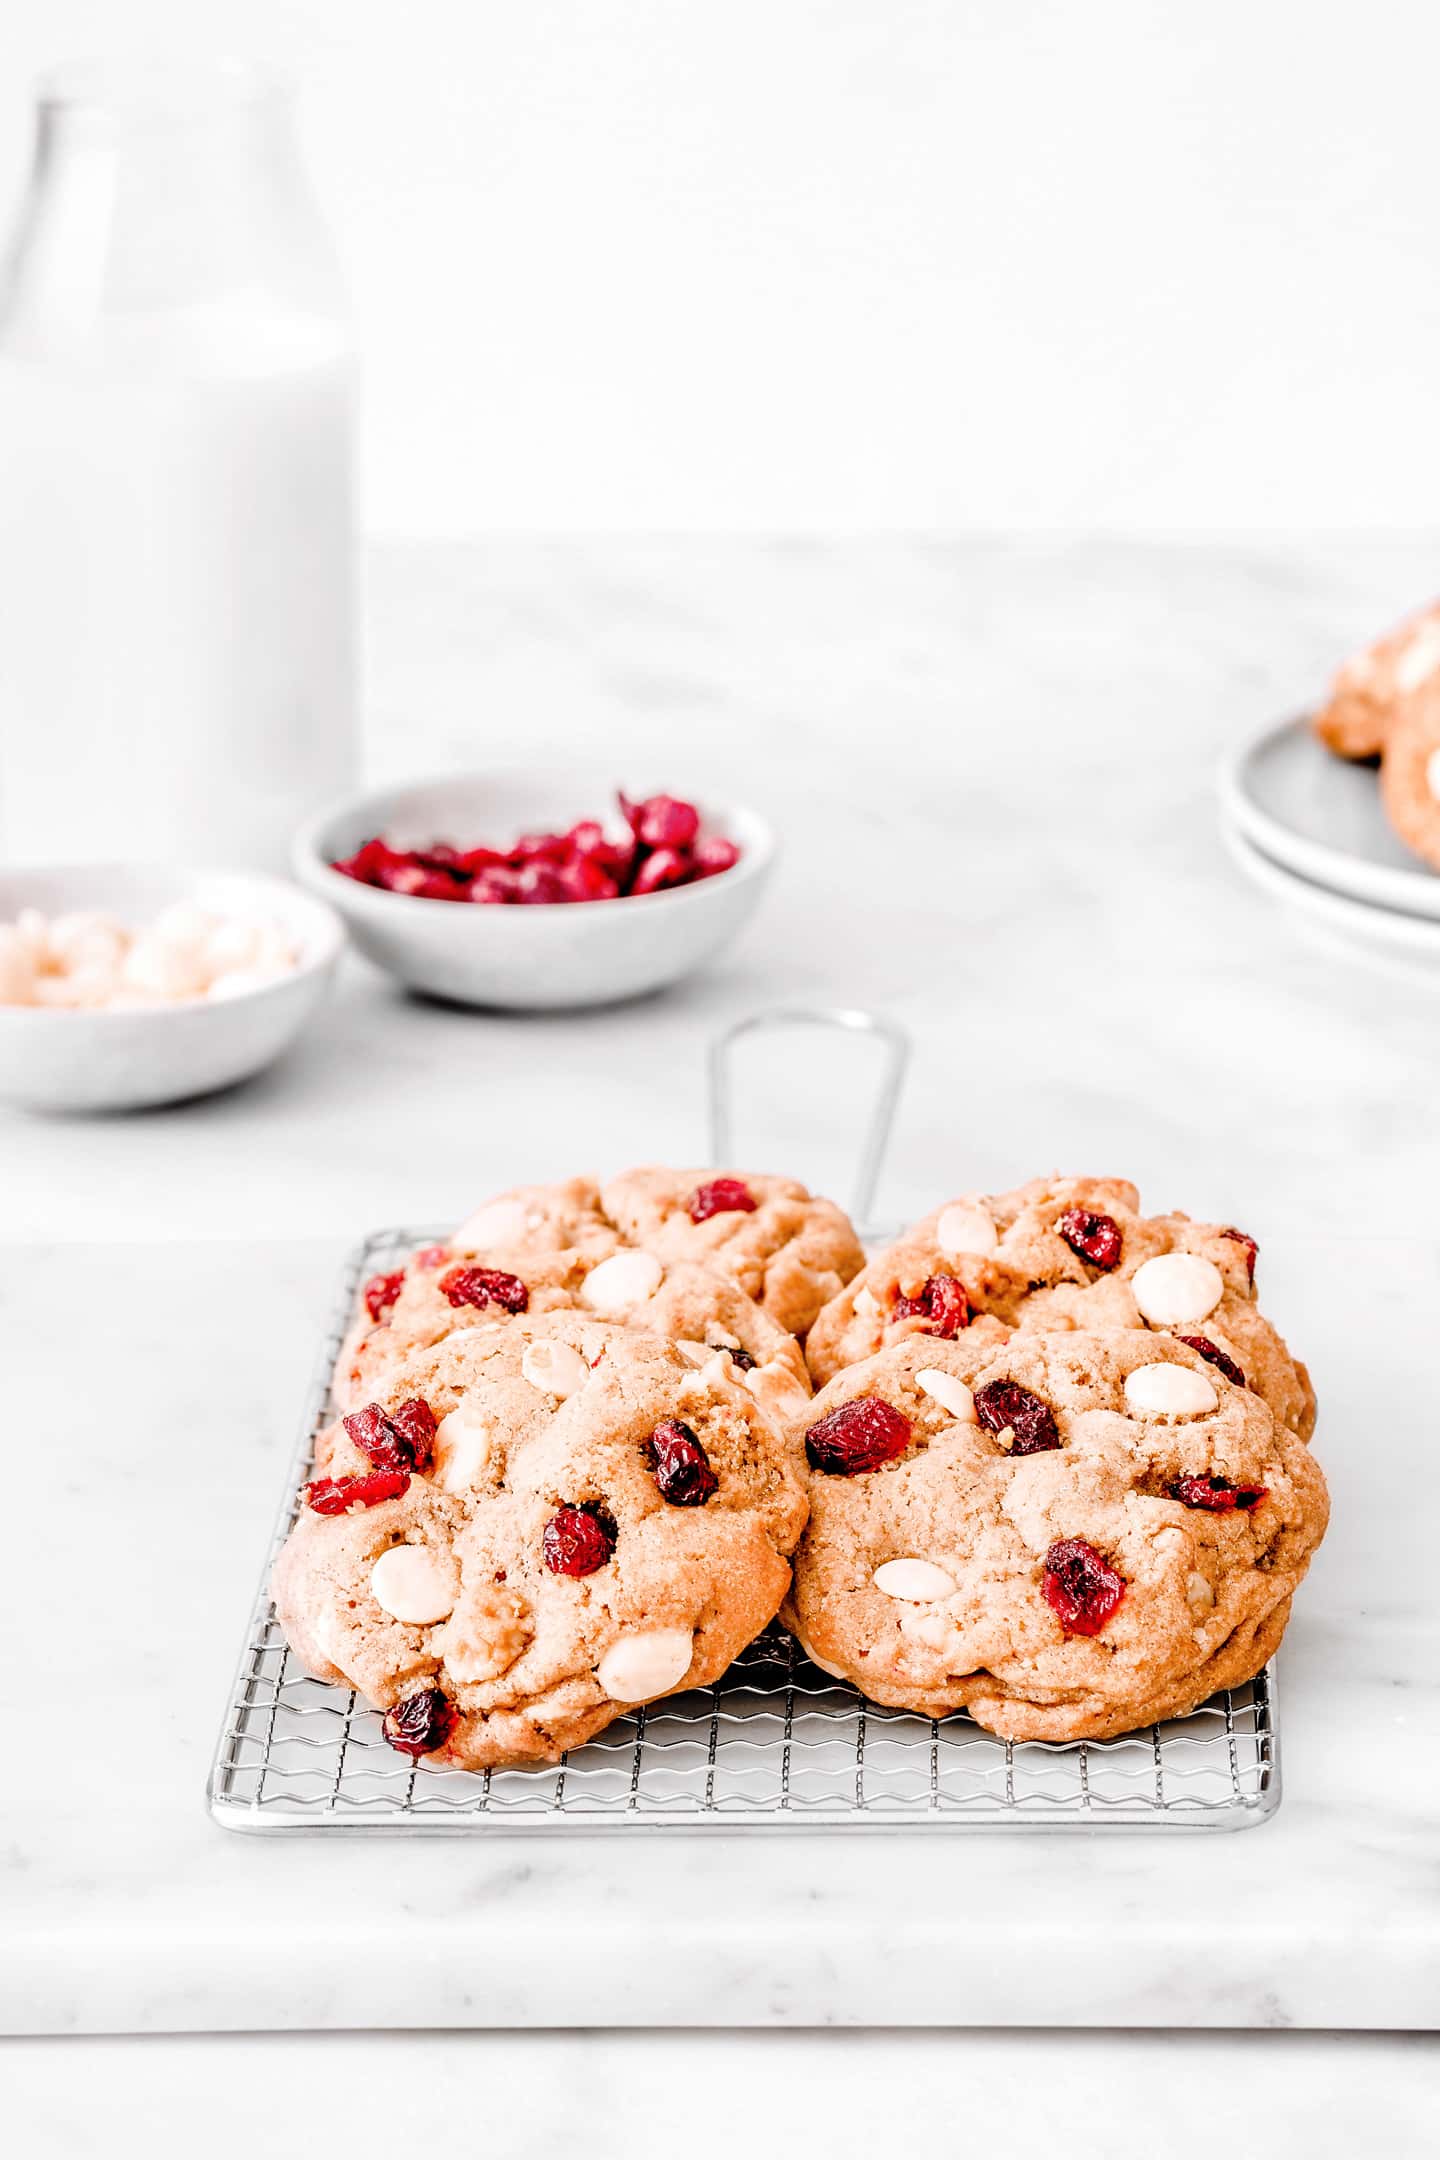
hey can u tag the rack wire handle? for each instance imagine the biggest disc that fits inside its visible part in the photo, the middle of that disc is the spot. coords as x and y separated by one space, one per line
855 1020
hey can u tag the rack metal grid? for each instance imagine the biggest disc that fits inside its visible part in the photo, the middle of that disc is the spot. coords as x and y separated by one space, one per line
775 1743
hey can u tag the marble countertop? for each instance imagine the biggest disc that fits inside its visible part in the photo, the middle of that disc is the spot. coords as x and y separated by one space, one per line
992 769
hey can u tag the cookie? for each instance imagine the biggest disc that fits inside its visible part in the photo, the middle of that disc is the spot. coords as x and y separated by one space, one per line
503 1598
1410 774
566 1217
1063 1253
1374 687
786 1249
1068 1535
443 1295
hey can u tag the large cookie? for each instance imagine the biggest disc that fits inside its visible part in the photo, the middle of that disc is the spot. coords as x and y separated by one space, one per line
1410 774
1070 1535
574 1553
786 1249
1374 687
1063 1253
442 1293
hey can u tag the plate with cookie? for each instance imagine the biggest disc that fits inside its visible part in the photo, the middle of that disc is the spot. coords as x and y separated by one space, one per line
1348 797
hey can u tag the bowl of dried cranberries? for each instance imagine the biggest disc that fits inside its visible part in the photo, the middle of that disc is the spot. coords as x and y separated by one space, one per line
531 894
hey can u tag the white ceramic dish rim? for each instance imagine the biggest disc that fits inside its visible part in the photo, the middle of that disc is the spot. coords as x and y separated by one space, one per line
1379 886
1373 925
756 841
321 946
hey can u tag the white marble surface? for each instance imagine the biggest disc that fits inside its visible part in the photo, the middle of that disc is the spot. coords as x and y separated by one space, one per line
992 768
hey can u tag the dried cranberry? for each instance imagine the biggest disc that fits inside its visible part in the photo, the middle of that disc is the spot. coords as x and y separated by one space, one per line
711 858
860 1435
681 1465
498 887
722 1196
1081 1588
417 883
485 1286
336 1496
421 1723
1002 1403
616 858
942 1305
1095 1237
381 1292
380 1438
582 879
477 859
662 821
415 1420
740 1359
1251 1248
667 866
539 884
432 1256
578 1540
1216 1494
439 856
1215 1356
550 847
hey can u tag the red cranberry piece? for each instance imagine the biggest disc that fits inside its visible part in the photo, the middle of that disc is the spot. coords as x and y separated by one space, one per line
1215 1356
1216 1494
740 1359
547 847
681 1465
474 861
858 1436
583 879
667 866
432 1256
539 884
380 1438
415 1420
418 883
439 855
421 1723
662 821
485 1286
712 857
578 1540
336 1496
942 1305
497 887
1095 1237
381 1292
722 1196
1002 1403
1081 1588
614 858
1251 1248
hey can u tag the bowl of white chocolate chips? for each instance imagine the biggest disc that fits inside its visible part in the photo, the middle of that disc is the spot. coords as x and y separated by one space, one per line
122 987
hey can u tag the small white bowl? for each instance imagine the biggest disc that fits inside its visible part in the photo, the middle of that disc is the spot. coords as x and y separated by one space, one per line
130 1059
527 959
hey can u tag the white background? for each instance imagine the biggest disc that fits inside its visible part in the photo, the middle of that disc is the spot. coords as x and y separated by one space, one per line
834 263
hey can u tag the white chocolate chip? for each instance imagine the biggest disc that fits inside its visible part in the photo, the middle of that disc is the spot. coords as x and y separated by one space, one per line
414 1584
462 1448
963 1228
1177 1288
919 1582
1198 1594
1169 1391
554 1368
639 1667
694 1353
950 1393
865 1303
621 1283
162 969
501 1224
1432 774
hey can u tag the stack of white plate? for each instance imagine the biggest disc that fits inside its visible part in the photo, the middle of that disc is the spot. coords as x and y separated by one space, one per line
1308 828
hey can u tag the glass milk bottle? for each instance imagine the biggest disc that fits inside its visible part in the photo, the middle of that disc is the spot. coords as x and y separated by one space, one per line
176 523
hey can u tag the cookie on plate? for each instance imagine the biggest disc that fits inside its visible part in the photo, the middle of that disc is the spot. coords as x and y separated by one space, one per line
1410 774
589 1551
443 1295
1063 1253
788 1250
1068 1535
1373 688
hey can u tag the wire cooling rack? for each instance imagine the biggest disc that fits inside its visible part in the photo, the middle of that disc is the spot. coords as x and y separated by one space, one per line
775 1743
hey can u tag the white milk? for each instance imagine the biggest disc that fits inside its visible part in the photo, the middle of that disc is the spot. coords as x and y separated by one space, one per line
176 590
